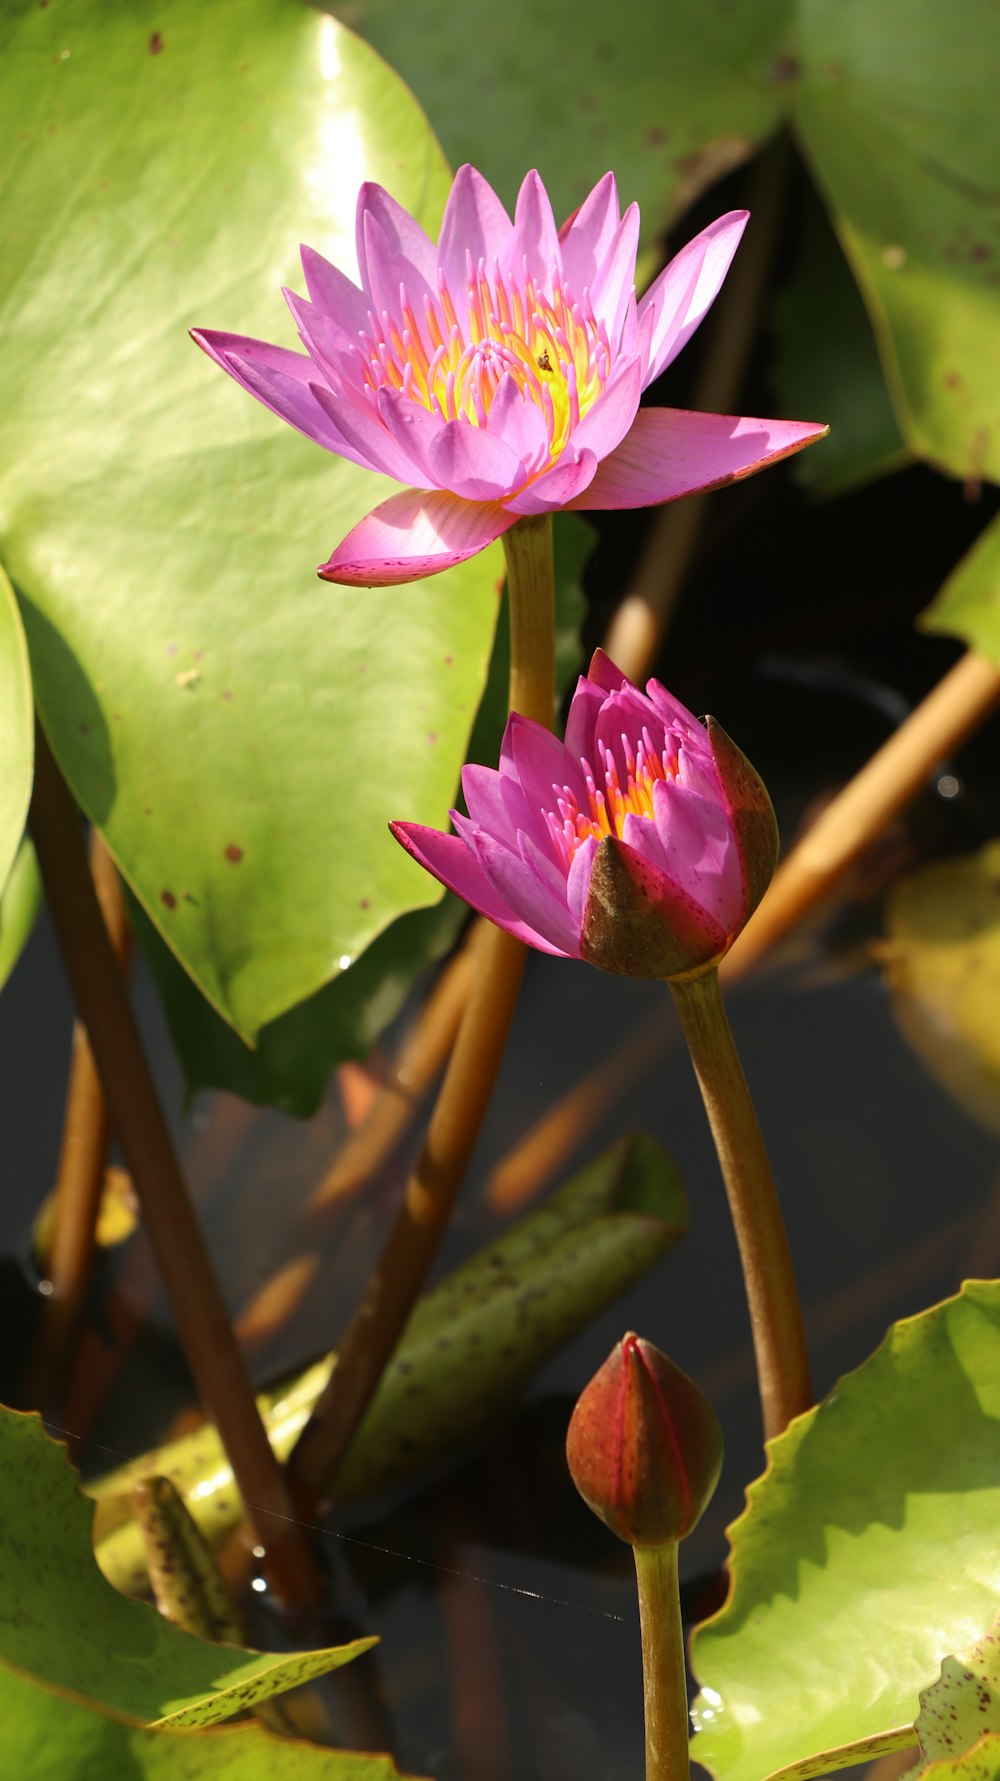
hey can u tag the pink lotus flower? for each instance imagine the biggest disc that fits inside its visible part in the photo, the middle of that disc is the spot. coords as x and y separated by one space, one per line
499 373
642 843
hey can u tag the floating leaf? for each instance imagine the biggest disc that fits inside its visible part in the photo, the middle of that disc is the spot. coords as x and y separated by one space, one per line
470 1345
240 732
44 1738
959 1721
942 960
867 1553
17 741
968 606
62 1624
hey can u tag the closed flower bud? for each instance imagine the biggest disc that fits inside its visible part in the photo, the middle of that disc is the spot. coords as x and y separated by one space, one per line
644 1446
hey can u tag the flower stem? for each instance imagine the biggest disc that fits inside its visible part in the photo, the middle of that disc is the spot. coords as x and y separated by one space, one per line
139 1123
531 592
884 786
769 1277
664 1680
412 1245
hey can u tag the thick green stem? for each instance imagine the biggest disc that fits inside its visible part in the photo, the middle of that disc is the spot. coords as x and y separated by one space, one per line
664 1681
431 1192
772 1294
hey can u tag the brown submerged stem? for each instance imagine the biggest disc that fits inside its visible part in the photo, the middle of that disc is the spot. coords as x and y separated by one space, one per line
433 1187
769 1277
664 1679
137 1117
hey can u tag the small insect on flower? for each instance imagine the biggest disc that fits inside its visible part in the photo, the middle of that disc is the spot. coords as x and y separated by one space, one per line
498 373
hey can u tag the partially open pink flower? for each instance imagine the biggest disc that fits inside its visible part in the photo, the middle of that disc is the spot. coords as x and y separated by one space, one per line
642 843
499 372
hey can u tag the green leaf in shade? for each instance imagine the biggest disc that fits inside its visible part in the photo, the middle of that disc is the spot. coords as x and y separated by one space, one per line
670 97
62 1624
941 956
893 106
20 902
826 362
469 1347
292 1056
896 111
867 1553
958 1725
17 735
240 732
968 605
45 1738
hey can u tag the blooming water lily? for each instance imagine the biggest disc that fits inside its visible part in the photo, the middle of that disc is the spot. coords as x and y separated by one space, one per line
499 372
641 843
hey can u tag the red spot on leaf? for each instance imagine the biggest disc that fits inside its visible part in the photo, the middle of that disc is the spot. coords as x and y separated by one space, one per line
234 853
168 899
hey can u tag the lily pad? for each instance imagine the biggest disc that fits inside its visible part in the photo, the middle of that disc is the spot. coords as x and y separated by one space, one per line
17 741
867 1553
45 1738
63 1625
239 732
470 1346
893 107
968 605
942 961
959 1722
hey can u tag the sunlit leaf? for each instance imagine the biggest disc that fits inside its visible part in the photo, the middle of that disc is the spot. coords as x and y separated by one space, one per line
867 1553
44 1738
63 1625
240 732
959 1720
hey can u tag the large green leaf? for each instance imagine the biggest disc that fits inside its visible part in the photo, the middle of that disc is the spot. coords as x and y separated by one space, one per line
470 1345
20 903
867 1553
62 1624
968 605
17 740
893 105
240 732
959 1711
45 1738
292 1056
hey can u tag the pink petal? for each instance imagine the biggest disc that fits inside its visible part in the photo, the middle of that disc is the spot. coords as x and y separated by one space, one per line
474 462
605 425
578 881
335 351
392 250
604 673
558 487
334 294
370 440
450 861
543 767
413 534
583 714
586 239
677 715
521 424
700 847
614 288
673 451
524 891
475 223
535 241
282 380
686 289
495 802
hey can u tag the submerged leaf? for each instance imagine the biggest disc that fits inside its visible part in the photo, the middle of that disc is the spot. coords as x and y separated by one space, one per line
469 1347
941 957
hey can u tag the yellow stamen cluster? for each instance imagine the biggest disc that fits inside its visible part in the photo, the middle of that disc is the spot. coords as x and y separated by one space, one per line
554 348
609 805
